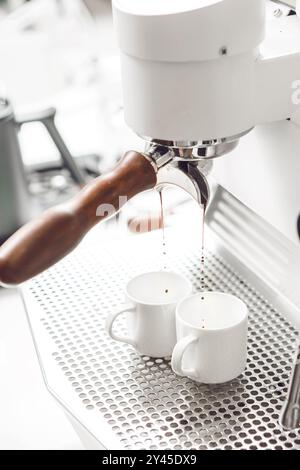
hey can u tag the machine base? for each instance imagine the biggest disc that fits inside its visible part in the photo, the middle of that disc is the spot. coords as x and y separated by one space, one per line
121 400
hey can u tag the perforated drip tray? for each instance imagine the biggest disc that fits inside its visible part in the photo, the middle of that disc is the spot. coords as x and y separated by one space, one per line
133 402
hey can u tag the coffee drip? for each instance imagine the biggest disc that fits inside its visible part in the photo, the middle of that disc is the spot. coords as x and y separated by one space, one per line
164 245
202 262
162 224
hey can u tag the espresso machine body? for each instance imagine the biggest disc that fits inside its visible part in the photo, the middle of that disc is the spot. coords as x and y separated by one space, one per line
233 78
207 76
229 87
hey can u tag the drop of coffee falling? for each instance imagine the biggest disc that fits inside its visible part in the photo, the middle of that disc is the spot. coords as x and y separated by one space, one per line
202 262
162 219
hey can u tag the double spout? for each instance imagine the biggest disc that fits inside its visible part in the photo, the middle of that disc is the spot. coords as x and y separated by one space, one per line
46 240
179 168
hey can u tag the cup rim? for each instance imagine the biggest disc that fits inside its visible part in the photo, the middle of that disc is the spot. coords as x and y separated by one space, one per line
212 330
135 300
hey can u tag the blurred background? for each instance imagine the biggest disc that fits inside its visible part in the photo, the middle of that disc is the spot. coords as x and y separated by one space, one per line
62 54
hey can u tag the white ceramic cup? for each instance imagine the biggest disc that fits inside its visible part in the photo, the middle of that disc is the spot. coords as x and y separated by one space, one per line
151 301
212 338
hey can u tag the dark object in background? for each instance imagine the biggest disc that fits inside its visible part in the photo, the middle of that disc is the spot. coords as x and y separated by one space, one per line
47 118
51 183
15 204
14 196
298 226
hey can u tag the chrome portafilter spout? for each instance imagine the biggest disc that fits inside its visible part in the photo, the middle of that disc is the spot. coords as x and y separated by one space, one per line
186 164
178 167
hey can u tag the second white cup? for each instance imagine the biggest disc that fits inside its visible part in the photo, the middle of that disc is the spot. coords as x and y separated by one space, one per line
212 338
151 300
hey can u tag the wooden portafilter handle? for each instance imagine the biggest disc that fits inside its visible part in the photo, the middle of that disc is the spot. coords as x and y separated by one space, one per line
47 239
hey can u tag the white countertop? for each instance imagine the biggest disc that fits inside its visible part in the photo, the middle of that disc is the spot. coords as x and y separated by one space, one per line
30 418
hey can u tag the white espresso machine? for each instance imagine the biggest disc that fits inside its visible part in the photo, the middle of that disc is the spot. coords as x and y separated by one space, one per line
207 75
214 84
215 80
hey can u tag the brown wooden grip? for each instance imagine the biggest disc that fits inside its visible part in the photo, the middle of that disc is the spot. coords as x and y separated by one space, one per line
47 239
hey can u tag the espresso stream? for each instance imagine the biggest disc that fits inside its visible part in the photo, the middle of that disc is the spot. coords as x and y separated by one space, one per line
164 246
162 218
202 263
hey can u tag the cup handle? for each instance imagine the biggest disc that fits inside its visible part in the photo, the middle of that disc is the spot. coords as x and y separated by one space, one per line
178 354
110 322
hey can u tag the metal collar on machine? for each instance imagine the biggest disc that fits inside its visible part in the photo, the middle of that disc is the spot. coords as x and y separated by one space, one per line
200 149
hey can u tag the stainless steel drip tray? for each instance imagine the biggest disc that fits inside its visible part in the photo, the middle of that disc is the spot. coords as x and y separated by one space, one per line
118 399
